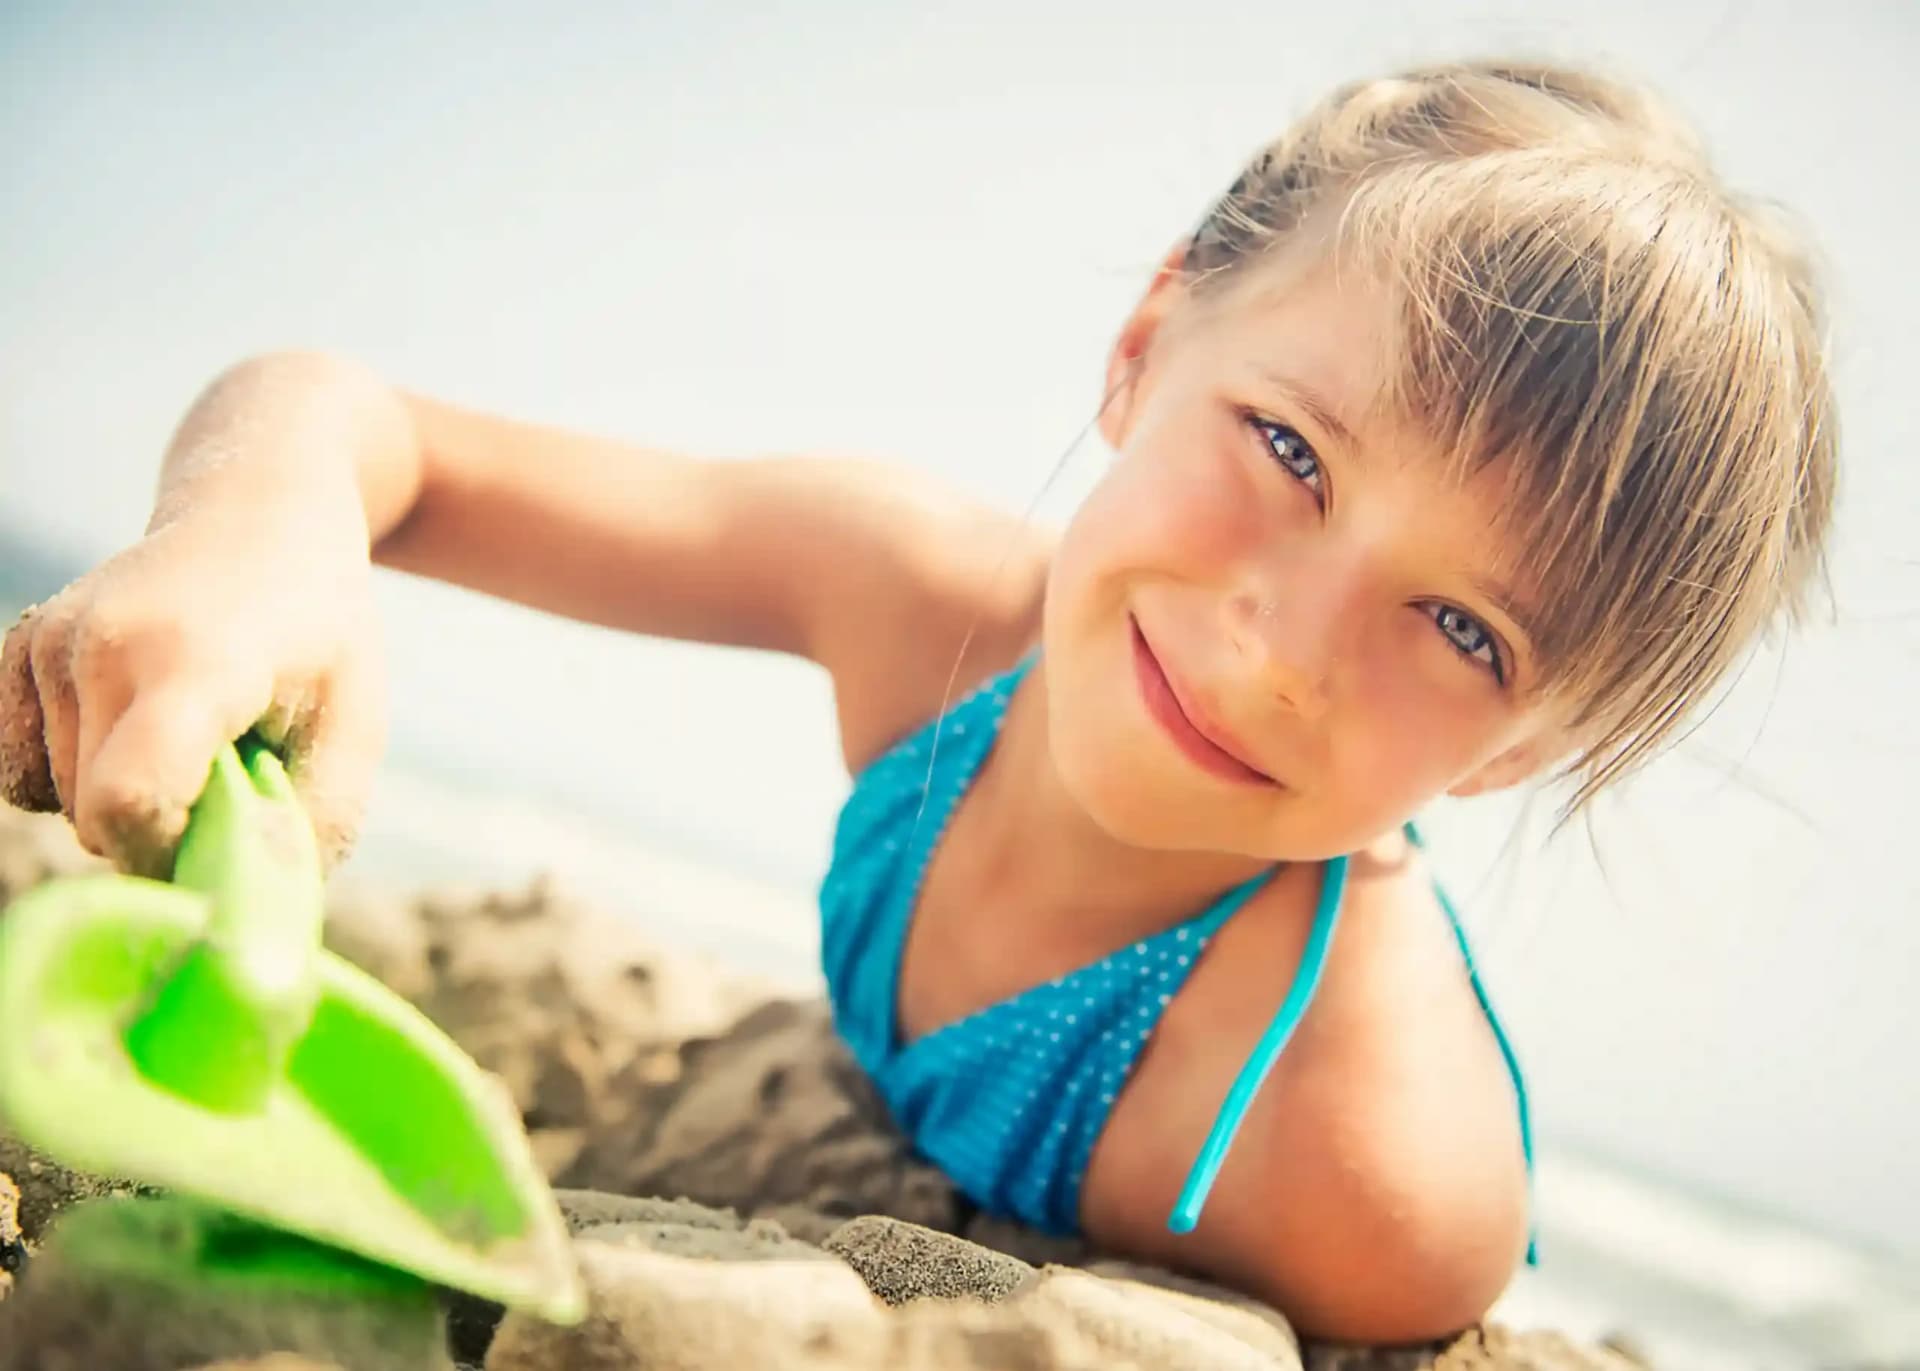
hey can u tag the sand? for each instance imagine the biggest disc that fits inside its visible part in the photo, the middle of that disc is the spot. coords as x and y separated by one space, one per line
736 1195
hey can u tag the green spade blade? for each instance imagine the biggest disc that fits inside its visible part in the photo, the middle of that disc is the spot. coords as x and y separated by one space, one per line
194 1036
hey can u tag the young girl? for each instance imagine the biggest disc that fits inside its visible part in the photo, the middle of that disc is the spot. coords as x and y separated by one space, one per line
1471 436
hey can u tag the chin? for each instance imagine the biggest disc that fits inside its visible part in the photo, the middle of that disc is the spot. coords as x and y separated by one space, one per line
1108 761
1116 795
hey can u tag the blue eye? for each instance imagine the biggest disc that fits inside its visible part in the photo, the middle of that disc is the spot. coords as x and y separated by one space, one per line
1471 638
1292 452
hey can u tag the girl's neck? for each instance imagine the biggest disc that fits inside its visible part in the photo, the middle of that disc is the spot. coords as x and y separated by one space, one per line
1042 851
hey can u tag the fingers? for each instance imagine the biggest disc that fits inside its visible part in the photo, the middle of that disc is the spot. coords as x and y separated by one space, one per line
26 780
50 658
334 751
112 709
127 767
145 774
128 726
133 712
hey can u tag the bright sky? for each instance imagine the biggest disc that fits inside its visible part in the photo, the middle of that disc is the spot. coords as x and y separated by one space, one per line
908 231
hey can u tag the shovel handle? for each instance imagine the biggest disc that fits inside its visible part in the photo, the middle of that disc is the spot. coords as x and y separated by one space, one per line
219 1026
249 849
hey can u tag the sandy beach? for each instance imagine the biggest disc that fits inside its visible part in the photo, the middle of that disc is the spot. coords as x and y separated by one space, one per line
736 1195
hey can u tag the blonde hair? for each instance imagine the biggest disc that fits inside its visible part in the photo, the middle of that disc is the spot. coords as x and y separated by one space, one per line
1589 314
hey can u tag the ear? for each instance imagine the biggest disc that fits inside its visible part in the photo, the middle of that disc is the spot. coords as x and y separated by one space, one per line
1128 360
1521 762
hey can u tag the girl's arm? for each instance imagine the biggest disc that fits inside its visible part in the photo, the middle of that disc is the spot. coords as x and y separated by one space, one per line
776 553
767 553
246 605
874 572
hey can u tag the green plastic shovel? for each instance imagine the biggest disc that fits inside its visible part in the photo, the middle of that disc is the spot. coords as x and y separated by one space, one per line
195 1036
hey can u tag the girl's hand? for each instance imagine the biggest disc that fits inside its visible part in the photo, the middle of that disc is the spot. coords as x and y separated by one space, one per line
116 694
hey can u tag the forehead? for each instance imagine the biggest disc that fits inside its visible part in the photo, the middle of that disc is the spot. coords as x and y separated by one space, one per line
1329 336
1330 324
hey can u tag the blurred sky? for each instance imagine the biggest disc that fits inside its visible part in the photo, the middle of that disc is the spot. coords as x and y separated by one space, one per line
909 230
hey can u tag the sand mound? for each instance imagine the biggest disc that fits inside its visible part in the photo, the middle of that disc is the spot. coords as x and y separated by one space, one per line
796 1229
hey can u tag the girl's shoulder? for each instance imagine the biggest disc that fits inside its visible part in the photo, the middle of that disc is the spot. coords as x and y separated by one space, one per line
949 592
1380 1173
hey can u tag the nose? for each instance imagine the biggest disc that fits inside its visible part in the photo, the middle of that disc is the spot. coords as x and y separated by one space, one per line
1286 638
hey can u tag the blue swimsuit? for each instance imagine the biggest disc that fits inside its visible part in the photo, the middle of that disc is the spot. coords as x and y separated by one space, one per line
1010 1100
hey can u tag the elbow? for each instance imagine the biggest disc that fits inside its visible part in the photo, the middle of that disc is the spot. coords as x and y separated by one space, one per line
1416 1272
1405 1302
1404 1237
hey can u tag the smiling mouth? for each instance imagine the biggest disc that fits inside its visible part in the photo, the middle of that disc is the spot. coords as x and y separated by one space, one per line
1203 745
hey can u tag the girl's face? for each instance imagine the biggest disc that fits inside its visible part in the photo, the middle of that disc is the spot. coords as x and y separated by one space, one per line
1279 626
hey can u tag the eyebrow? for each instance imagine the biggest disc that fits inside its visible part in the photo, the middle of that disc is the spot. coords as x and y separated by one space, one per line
1314 403
1502 598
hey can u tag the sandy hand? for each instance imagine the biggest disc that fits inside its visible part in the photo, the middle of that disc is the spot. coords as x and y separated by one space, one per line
116 694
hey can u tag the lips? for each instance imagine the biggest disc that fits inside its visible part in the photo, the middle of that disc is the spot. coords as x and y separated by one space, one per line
1205 744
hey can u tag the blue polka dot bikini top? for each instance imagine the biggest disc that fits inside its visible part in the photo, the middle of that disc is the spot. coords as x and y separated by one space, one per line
1009 1100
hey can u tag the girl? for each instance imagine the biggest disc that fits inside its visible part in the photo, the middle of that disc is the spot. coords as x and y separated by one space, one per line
1471 436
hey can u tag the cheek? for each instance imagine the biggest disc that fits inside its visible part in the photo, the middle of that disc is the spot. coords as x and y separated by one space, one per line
1176 504
1417 722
